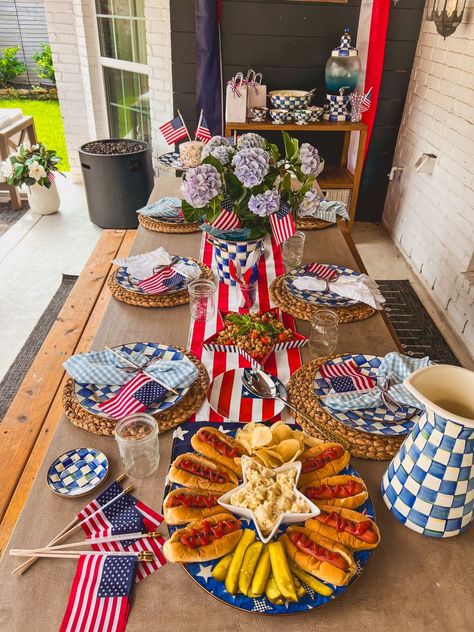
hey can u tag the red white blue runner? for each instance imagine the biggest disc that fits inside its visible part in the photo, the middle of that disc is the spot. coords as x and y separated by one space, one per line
282 364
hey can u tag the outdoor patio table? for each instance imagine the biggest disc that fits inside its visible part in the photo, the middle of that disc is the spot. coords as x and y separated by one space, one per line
411 583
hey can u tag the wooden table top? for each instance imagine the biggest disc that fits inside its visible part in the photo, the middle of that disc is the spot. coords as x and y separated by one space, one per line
412 582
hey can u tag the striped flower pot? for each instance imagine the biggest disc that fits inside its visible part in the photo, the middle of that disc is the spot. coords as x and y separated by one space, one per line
239 251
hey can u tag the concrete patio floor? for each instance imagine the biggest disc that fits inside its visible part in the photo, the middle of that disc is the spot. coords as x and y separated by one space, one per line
37 250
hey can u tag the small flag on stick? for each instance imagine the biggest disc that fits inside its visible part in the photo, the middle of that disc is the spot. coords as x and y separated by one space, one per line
203 132
282 223
345 376
174 130
134 397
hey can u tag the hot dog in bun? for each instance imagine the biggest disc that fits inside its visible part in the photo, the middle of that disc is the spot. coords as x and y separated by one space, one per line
193 470
345 526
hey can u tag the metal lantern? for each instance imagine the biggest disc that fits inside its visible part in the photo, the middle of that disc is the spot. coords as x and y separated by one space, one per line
446 14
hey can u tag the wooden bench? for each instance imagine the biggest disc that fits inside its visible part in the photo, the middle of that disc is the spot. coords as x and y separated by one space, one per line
30 422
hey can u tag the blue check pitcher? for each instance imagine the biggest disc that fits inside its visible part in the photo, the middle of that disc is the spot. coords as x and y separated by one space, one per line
240 251
429 485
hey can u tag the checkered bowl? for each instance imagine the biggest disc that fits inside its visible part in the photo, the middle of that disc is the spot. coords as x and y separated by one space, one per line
77 472
377 421
290 99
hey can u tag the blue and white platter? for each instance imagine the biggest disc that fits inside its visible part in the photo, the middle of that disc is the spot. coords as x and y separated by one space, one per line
378 421
130 283
77 472
171 160
323 297
89 396
201 572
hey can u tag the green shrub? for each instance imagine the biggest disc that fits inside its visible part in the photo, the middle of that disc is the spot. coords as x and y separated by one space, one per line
44 61
10 65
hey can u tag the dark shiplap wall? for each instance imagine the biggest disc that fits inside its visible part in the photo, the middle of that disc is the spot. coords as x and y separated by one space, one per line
289 42
23 24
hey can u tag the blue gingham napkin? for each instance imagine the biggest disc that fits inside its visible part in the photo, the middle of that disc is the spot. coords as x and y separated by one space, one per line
327 210
164 208
103 367
393 369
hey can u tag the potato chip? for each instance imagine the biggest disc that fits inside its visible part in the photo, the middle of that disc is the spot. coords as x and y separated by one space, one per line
289 449
262 435
272 454
281 432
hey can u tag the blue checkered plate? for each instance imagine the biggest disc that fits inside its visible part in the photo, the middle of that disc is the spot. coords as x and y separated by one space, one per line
201 573
323 298
380 420
77 472
130 283
171 160
89 396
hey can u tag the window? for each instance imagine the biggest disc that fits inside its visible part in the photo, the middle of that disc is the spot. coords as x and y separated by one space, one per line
122 41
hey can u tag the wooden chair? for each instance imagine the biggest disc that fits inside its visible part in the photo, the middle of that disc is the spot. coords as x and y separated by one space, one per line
11 138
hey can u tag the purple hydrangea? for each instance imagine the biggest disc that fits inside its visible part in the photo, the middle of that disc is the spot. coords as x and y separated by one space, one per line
223 154
251 166
309 204
309 157
250 140
200 185
215 141
265 203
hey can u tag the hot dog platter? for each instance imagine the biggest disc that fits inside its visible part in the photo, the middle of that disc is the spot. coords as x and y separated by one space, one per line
265 518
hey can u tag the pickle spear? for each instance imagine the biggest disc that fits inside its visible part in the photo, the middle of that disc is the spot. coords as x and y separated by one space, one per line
281 571
273 592
232 577
220 569
249 564
300 589
261 575
311 581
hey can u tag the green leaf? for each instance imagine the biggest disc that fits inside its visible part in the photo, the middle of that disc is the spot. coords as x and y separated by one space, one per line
288 145
233 185
210 160
30 181
190 213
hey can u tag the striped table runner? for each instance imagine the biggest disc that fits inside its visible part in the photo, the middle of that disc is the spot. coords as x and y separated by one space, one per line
282 364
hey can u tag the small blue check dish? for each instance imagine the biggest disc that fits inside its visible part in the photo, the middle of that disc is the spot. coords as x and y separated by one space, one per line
77 472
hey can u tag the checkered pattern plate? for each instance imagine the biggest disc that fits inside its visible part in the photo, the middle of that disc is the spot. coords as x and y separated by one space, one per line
130 283
77 472
90 396
379 421
323 298
171 160
201 573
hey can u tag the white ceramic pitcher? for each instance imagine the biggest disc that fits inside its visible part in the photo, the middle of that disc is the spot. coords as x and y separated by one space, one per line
429 485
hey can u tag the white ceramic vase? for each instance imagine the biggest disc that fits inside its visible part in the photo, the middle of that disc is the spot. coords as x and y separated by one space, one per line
42 200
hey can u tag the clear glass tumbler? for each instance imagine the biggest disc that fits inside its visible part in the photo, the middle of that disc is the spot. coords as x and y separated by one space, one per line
324 331
202 299
139 447
293 249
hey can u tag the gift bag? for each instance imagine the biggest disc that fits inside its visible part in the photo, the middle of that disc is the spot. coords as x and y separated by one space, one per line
236 100
256 93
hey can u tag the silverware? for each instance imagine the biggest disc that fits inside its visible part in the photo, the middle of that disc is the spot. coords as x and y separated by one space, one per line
260 384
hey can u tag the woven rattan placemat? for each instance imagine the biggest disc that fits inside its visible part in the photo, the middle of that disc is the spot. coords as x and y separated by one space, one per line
311 223
166 227
362 444
166 419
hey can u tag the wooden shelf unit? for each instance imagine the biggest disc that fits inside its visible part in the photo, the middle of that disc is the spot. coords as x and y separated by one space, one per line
333 176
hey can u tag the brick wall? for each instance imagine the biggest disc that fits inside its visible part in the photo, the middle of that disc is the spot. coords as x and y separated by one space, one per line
72 34
431 217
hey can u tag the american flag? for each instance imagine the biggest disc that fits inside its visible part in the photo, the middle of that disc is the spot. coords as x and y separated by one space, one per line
282 223
124 516
100 594
203 132
162 281
134 397
345 376
173 130
226 219
366 101
321 271
51 176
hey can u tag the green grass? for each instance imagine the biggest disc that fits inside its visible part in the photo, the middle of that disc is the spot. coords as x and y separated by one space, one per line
48 124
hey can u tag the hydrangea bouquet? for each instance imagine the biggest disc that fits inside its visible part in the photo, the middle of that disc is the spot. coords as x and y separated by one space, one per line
30 165
251 179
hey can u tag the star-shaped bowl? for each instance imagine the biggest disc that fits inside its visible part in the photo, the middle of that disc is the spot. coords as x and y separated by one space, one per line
285 517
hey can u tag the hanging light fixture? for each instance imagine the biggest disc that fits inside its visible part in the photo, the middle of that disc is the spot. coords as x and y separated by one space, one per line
447 15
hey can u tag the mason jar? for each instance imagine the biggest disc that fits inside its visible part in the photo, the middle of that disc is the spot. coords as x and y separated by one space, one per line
138 443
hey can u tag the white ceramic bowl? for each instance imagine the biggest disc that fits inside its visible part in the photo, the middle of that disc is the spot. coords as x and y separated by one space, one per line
285 518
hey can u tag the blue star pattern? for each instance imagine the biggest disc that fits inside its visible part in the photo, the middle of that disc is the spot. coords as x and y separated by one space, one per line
343 384
150 393
118 576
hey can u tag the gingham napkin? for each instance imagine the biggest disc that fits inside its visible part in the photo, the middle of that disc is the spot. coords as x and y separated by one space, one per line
103 367
393 369
164 208
144 266
359 288
328 210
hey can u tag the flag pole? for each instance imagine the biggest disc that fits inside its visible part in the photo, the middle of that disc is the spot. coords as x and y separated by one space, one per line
199 123
182 120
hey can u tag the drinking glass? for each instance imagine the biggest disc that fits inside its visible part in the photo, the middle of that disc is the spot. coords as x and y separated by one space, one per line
293 250
137 439
323 333
202 299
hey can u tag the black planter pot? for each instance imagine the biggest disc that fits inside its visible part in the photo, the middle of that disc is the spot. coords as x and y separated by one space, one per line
117 184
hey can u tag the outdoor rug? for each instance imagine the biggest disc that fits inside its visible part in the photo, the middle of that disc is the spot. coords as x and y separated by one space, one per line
22 363
413 325
8 216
